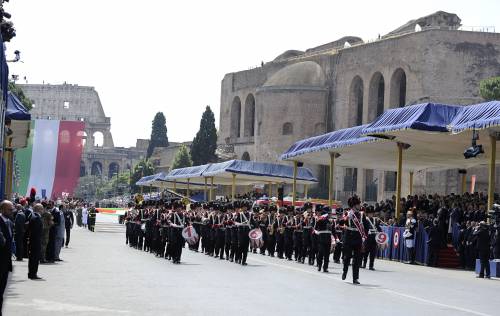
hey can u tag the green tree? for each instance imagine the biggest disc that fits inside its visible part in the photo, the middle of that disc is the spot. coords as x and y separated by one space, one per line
490 88
18 92
182 158
158 133
142 169
205 142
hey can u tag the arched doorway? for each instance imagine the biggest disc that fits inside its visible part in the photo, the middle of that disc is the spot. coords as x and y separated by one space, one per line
376 96
83 169
249 128
398 88
235 117
98 138
245 156
113 170
356 101
96 169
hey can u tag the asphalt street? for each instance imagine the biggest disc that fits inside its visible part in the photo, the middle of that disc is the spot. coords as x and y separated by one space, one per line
100 275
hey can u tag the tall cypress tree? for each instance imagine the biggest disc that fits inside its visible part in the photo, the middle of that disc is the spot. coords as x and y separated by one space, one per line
158 133
182 158
205 142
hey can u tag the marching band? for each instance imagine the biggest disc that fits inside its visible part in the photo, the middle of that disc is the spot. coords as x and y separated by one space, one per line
230 230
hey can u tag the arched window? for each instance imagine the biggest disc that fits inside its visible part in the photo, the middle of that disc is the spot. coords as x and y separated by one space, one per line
98 139
376 96
96 169
287 128
113 170
236 117
83 169
245 156
356 102
249 128
83 137
398 88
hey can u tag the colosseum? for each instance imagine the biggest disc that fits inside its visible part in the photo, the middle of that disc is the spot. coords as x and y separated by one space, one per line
350 82
71 102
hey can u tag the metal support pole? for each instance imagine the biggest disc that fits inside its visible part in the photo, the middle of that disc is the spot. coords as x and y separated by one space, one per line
331 179
306 187
205 190
211 188
294 184
411 182
270 189
233 188
188 191
491 180
175 186
398 180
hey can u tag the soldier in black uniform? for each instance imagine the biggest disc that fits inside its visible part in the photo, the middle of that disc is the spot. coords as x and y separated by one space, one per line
244 223
323 231
262 221
177 223
235 254
229 226
372 226
279 230
482 236
297 237
271 232
219 232
288 236
339 235
196 220
353 240
307 228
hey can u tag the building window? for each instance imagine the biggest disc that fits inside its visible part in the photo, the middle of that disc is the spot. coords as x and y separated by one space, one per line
66 105
351 180
390 181
287 128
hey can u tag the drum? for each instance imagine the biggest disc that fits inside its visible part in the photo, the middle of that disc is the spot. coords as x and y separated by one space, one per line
382 239
256 240
190 235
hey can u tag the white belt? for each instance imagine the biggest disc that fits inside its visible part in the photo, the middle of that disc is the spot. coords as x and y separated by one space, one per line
324 232
352 229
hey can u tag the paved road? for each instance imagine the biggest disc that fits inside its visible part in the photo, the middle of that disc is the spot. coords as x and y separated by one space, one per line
103 276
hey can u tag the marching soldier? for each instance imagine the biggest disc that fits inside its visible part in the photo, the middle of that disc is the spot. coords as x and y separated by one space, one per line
177 224
288 236
297 238
372 226
307 228
229 225
353 240
244 223
271 231
279 229
323 231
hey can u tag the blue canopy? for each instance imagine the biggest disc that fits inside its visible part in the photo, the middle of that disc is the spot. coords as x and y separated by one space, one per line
431 117
333 140
160 180
258 171
187 173
477 116
15 109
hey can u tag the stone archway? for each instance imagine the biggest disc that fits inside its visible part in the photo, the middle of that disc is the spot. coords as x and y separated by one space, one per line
356 101
398 88
376 96
245 156
96 169
249 126
236 117
113 169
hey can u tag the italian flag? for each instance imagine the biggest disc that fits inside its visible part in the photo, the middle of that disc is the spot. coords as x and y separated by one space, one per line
51 161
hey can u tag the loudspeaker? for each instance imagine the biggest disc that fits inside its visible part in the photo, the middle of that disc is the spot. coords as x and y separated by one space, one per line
300 164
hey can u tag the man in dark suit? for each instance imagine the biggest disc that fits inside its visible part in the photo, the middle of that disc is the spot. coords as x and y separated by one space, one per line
6 209
20 221
35 246
69 220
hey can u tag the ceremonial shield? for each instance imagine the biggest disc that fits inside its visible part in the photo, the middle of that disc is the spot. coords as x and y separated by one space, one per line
190 235
255 236
382 239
